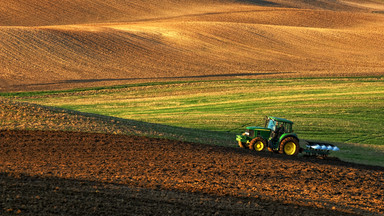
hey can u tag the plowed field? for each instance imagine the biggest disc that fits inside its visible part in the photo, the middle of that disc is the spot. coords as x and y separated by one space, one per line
48 45
78 173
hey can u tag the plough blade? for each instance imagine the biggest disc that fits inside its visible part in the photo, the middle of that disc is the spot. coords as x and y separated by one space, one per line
319 148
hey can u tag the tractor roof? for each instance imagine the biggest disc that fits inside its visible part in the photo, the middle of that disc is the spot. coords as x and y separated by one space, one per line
258 128
281 119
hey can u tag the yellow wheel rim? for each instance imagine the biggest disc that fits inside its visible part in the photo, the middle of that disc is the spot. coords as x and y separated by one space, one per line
259 146
290 148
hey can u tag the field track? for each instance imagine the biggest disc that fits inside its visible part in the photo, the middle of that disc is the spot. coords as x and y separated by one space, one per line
76 173
78 43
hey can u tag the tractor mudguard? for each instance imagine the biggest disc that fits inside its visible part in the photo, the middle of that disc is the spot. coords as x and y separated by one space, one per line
288 135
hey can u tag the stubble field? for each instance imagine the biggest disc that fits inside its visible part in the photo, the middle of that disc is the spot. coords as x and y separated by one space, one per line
343 111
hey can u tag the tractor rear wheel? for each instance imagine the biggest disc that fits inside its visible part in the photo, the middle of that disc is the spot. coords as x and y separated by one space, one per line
258 144
289 146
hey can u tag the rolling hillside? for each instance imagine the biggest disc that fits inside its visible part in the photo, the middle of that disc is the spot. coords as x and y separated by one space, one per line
77 43
180 68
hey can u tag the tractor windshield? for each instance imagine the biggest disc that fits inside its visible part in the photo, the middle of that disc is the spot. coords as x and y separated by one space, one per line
271 124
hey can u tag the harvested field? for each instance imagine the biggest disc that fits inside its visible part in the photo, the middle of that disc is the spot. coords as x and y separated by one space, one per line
76 173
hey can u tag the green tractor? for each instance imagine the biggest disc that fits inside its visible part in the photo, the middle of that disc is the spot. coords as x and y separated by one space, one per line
277 136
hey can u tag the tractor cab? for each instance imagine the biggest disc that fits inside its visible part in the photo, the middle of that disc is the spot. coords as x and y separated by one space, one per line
273 122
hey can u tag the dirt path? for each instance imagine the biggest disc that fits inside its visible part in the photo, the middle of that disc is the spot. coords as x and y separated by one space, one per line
78 173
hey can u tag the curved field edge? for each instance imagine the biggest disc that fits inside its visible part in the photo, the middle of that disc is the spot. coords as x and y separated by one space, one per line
338 110
26 116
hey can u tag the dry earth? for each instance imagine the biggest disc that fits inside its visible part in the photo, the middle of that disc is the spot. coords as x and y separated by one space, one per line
75 173
77 43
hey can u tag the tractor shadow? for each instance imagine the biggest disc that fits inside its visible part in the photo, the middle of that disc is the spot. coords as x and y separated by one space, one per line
321 160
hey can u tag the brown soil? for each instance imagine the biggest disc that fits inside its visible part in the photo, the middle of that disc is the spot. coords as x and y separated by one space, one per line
71 173
69 44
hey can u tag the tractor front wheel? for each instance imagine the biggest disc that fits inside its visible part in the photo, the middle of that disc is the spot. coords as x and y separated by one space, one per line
289 146
258 144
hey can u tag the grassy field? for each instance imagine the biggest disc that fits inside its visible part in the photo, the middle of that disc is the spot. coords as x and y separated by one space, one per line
347 111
